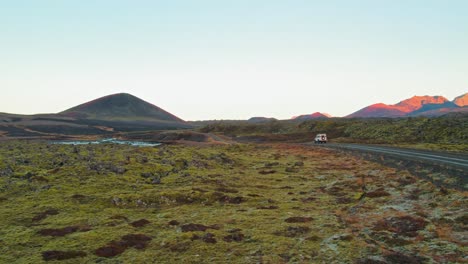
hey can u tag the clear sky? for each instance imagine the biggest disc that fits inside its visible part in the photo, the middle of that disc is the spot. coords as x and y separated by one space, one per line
223 59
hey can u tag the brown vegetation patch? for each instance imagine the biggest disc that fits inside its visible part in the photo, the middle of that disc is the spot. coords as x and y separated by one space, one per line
138 241
61 255
179 247
397 257
231 200
78 196
291 169
271 207
140 223
298 219
308 199
343 200
369 261
404 225
226 190
267 172
114 248
42 215
380 192
63 231
194 227
294 231
390 239
209 238
234 237
174 223
407 180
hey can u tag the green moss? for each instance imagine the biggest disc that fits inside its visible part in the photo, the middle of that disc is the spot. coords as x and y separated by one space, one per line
217 186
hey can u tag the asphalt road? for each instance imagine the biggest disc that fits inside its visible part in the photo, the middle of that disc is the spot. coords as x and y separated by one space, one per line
433 157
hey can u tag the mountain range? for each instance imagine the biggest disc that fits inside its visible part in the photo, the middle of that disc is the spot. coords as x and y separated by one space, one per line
124 112
415 106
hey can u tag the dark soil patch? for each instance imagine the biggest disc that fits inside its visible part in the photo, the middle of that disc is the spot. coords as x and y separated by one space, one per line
406 181
138 241
400 258
43 215
226 190
390 239
380 192
209 238
343 200
308 199
267 172
299 164
140 223
179 247
194 227
298 219
63 231
271 207
174 223
253 195
291 169
235 237
231 200
78 196
61 255
114 248
314 238
294 231
404 225
369 261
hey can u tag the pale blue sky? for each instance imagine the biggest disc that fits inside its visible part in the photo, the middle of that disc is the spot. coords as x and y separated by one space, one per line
215 59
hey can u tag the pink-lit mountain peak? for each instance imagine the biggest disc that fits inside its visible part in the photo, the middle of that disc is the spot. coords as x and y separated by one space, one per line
461 100
416 102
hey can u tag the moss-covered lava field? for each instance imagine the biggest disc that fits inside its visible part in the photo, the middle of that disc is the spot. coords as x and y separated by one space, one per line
242 203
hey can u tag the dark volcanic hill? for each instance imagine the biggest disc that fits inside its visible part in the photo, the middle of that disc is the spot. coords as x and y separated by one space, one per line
260 119
104 116
123 107
316 115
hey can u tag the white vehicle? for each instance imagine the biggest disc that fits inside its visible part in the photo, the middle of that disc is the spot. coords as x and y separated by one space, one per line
320 138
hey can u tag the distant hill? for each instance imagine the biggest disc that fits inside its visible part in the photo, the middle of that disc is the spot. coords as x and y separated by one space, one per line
123 107
316 115
378 110
260 119
103 116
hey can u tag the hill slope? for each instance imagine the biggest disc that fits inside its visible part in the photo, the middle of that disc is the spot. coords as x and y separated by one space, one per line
103 116
316 115
415 104
461 100
122 106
